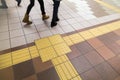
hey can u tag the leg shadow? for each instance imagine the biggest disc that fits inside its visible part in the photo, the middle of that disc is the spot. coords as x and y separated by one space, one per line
4 5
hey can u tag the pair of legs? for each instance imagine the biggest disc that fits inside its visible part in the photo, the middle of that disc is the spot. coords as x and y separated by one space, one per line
18 2
55 13
32 2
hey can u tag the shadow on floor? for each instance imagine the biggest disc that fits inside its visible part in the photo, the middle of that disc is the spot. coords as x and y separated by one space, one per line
4 5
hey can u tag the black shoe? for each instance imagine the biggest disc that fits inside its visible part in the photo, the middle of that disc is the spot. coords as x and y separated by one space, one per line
57 19
53 24
18 3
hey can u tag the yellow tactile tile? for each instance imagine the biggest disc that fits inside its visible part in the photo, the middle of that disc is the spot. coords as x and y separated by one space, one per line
55 51
70 69
68 40
62 48
60 72
64 68
67 73
47 54
5 56
79 78
95 32
5 65
64 58
33 52
55 61
113 26
76 38
42 43
5 60
86 35
22 59
59 60
104 29
55 39
20 56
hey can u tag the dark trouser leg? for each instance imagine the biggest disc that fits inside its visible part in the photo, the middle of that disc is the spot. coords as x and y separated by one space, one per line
42 6
30 6
4 5
26 17
55 11
18 1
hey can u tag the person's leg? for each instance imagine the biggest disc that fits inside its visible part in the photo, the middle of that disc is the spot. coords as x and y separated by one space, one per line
44 16
4 5
55 13
18 2
30 6
26 17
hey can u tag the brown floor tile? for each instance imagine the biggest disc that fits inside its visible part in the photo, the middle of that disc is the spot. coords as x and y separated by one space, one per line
23 70
33 77
95 42
118 78
75 52
115 48
94 58
91 75
115 62
7 74
49 74
107 39
40 66
81 64
84 47
117 32
106 71
118 42
105 52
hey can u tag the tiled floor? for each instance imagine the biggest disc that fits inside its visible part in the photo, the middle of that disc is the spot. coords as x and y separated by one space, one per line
86 47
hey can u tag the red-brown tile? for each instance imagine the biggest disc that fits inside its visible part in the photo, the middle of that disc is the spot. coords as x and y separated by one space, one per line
49 74
105 52
118 78
94 58
75 52
117 32
23 70
81 64
7 74
95 42
84 47
115 62
106 71
118 42
115 48
40 66
91 75
107 39
33 77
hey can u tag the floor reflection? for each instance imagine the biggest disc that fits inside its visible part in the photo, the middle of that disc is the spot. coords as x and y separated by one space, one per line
4 5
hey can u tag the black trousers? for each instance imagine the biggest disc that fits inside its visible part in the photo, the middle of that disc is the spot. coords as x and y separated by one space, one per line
19 1
55 10
32 2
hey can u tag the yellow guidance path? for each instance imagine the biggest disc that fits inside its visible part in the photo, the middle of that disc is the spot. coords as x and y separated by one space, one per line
55 48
